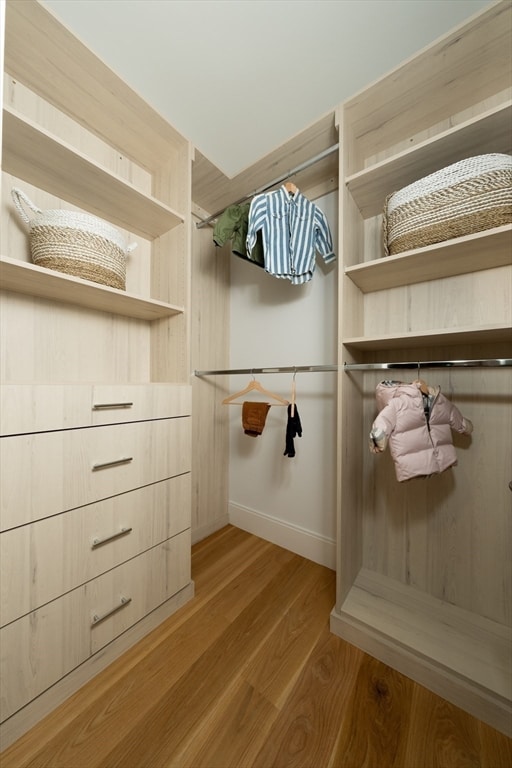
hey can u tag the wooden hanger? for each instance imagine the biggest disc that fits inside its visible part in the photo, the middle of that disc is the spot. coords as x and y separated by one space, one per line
423 386
254 385
290 187
421 383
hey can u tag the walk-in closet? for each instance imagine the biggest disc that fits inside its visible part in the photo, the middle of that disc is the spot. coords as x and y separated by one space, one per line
160 437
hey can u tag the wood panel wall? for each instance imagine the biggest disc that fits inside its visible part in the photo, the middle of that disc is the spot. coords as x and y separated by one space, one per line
209 350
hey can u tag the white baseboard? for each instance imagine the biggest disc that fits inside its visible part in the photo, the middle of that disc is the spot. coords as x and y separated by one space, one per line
311 545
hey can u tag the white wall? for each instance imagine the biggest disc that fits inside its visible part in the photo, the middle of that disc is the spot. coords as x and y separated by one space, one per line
290 501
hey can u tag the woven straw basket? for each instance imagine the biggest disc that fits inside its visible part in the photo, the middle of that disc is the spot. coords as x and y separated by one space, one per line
75 243
461 199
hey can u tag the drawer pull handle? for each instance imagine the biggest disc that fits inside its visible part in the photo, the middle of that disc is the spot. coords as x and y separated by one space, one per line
97 618
99 542
115 463
100 406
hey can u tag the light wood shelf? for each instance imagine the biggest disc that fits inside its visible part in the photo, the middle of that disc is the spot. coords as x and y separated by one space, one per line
477 335
395 615
438 628
35 155
23 277
488 132
47 58
459 256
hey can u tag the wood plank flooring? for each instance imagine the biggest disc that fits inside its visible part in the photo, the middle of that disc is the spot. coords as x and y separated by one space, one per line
247 675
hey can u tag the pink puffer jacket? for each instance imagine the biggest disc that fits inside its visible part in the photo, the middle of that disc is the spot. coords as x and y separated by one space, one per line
418 428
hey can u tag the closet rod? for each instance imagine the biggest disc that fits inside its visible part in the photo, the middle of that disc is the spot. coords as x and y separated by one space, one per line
488 363
279 369
274 183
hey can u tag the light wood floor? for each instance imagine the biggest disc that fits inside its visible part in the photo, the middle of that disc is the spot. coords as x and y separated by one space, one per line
247 675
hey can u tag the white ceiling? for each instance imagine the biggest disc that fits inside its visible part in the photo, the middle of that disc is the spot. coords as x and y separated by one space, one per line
240 77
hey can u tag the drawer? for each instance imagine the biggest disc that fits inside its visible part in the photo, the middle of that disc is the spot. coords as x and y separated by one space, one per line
39 649
45 407
67 550
50 472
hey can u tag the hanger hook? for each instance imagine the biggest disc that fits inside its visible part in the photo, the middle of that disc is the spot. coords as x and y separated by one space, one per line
418 376
294 372
252 374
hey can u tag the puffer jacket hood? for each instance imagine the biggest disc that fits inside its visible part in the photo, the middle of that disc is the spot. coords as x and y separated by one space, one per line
417 427
386 390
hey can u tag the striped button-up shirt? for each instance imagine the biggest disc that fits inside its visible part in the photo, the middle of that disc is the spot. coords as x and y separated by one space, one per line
293 230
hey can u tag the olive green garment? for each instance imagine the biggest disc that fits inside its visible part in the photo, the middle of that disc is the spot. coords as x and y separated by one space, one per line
232 225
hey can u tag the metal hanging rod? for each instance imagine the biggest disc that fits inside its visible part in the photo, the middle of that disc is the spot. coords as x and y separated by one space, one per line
488 363
279 369
279 180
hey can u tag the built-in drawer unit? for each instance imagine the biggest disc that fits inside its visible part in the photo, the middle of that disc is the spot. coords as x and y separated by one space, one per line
40 648
47 473
95 395
45 559
45 407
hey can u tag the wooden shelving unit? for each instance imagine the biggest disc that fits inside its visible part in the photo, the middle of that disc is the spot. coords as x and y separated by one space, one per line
462 255
93 378
29 279
33 154
489 132
423 573
432 337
